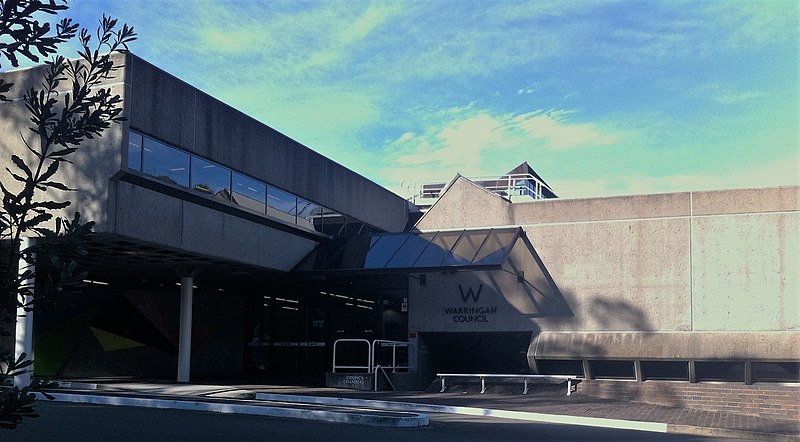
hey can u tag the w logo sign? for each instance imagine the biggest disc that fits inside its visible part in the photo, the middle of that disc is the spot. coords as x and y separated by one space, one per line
469 293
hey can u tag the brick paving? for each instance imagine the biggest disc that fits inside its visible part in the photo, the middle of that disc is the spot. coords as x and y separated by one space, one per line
575 405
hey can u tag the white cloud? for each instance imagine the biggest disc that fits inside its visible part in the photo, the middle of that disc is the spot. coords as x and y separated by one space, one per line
734 97
756 23
725 93
560 135
477 143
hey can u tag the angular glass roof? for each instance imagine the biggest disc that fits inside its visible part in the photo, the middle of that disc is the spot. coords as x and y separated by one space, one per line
484 249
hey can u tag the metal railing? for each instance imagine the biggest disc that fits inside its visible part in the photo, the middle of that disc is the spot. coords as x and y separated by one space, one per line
372 358
518 184
394 345
359 367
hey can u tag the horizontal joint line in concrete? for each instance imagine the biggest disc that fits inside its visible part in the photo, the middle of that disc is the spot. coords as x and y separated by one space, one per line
622 220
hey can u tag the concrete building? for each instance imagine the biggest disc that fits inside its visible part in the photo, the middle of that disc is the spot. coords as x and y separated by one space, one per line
225 248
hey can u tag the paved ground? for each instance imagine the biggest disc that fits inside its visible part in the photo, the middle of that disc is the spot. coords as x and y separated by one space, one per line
89 423
542 400
555 402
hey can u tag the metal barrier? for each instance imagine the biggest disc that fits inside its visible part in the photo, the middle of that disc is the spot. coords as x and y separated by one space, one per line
570 379
371 366
369 355
518 184
378 367
394 345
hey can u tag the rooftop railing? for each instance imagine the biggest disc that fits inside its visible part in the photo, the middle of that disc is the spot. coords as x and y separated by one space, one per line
523 184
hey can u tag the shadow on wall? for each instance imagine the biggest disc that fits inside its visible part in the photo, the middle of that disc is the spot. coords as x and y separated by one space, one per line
100 156
535 302
588 341
616 314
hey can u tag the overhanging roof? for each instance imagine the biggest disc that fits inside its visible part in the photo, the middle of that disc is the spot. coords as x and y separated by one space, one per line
409 252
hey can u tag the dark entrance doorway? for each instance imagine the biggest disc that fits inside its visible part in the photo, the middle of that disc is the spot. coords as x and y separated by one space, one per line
291 328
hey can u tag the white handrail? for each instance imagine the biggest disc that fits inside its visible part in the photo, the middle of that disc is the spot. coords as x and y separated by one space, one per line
369 355
511 184
378 367
394 345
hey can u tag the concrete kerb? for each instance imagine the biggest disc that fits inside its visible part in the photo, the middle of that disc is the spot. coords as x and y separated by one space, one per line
654 427
398 419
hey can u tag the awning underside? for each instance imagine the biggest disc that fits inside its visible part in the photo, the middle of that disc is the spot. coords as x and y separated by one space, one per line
484 249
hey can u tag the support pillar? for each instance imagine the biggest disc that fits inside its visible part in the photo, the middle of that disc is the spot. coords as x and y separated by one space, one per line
587 370
637 370
24 320
748 372
185 340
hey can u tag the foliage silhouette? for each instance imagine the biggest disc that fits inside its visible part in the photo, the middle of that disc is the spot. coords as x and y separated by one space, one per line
60 121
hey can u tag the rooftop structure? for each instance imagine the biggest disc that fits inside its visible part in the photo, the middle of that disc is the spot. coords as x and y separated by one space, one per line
520 184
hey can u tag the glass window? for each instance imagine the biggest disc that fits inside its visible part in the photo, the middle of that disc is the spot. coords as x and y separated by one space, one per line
407 254
282 205
468 246
495 248
334 222
355 251
353 227
309 215
776 371
665 370
612 369
560 367
165 163
210 178
250 193
382 251
439 249
719 371
134 150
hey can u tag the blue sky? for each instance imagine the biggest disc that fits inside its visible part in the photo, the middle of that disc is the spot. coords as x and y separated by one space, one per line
600 97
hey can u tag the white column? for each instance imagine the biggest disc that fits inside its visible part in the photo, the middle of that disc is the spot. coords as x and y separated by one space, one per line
24 321
185 340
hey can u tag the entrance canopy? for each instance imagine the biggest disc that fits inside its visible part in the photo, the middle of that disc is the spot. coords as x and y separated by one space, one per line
409 252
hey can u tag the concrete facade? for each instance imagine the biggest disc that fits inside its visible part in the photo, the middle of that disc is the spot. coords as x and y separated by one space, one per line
152 231
703 274
176 113
93 165
693 276
132 206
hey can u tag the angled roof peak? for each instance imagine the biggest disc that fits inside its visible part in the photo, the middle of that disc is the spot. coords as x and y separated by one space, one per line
524 169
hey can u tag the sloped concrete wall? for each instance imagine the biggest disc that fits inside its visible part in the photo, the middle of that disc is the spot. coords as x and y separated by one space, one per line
466 206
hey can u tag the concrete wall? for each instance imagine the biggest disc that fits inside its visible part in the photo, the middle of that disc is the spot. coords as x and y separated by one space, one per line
172 111
680 263
154 217
94 163
167 108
